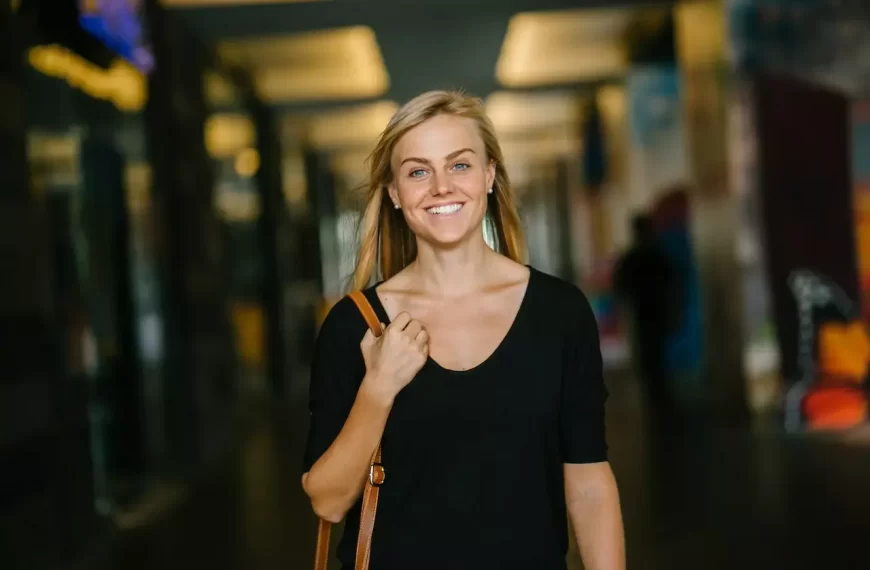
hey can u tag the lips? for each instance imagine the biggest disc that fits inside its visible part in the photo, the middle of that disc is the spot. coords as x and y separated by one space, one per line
445 209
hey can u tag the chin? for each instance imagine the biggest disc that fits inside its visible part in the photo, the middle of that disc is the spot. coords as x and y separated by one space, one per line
444 239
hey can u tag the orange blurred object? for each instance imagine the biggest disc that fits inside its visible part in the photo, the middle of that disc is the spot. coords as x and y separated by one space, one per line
835 407
844 351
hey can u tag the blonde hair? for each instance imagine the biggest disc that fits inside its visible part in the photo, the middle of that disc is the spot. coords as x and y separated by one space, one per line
386 241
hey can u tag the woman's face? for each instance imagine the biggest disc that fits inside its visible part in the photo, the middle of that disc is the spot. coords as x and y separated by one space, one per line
441 176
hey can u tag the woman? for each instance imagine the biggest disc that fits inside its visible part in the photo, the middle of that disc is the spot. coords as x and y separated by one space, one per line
486 386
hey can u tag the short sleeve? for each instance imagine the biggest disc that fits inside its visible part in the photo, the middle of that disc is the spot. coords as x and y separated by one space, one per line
581 421
336 373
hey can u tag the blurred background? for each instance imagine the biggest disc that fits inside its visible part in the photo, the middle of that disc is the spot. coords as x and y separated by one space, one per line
177 214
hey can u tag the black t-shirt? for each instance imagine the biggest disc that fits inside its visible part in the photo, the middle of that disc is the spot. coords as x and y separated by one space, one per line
474 459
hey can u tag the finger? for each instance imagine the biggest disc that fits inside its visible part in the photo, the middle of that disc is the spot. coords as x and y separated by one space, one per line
413 329
401 321
368 339
381 331
422 338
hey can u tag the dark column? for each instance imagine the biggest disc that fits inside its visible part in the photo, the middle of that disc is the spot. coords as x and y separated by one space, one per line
200 380
46 498
274 235
321 198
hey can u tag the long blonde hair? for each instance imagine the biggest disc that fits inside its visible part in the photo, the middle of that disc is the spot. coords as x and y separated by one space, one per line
385 238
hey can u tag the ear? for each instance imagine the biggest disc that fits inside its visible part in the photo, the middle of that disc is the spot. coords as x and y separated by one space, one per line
490 174
393 193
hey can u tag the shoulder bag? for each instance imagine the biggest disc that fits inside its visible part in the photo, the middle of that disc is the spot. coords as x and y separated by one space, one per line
372 486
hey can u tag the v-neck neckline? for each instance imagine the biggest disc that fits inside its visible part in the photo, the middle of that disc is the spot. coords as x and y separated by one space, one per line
375 299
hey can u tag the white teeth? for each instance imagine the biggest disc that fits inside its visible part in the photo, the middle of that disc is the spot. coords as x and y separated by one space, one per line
446 209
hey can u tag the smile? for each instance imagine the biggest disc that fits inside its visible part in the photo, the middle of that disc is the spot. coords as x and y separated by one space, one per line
445 209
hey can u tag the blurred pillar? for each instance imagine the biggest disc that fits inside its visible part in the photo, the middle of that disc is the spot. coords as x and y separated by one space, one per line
659 168
321 196
46 494
595 180
700 41
199 344
274 233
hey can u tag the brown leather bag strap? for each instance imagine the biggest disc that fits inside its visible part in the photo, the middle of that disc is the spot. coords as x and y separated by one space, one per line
373 483
367 311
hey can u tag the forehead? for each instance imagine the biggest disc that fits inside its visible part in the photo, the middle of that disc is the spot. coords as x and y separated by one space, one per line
438 137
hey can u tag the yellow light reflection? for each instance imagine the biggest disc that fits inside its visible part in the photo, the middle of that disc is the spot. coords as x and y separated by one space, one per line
122 84
341 63
235 206
700 28
551 48
247 162
228 133
515 113
701 32
357 126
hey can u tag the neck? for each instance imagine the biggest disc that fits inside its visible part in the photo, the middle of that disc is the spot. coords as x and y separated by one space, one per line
455 272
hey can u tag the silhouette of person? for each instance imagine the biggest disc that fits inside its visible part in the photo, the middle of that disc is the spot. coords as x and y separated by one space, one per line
645 281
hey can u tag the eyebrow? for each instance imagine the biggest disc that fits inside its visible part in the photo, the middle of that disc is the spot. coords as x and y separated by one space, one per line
450 156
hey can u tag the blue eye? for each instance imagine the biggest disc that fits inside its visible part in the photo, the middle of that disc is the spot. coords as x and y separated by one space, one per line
417 173
461 166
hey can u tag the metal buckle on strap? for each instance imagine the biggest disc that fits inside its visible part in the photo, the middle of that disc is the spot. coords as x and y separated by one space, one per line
377 475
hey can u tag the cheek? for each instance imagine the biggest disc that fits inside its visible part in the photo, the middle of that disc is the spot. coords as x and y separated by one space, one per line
410 190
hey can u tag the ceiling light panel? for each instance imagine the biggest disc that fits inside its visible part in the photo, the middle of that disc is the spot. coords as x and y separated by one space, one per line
358 126
335 64
559 47
514 113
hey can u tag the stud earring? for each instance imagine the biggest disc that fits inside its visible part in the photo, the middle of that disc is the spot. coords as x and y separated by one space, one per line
397 206
490 190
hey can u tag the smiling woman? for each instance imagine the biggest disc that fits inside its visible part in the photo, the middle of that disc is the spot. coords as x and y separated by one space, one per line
466 410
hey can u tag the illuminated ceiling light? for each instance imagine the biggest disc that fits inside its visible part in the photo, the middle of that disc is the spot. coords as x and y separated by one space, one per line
235 206
228 133
552 48
356 126
613 102
52 147
247 162
514 113
122 84
220 91
541 148
700 28
350 164
342 63
138 177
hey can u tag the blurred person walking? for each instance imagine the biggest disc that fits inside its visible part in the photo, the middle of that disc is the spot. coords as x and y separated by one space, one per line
646 283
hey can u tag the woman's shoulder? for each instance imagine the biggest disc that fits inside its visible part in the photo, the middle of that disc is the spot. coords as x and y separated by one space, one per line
559 292
343 320
564 302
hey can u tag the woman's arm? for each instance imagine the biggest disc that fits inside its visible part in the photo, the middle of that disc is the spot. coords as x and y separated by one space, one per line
346 422
593 505
335 481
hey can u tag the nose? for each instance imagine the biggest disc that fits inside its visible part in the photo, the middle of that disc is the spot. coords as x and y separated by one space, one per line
440 185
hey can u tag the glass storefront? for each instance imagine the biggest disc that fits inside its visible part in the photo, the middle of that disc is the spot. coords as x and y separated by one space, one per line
87 156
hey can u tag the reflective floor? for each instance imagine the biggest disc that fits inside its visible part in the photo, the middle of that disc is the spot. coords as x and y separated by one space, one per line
702 497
